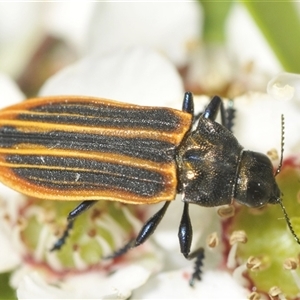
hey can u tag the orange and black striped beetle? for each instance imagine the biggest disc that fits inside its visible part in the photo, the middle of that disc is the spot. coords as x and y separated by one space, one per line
89 149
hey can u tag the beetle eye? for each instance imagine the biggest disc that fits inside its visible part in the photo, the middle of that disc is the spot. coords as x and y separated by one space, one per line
256 194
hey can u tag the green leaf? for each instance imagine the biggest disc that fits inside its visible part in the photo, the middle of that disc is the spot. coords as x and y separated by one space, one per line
280 24
6 292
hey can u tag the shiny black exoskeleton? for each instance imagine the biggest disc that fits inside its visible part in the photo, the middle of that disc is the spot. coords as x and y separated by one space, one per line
214 169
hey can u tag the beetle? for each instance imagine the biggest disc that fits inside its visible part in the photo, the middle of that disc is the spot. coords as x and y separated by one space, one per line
89 149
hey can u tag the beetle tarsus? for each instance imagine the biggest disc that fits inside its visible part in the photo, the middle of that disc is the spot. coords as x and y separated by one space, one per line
197 266
62 240
121 251
78 210
230 116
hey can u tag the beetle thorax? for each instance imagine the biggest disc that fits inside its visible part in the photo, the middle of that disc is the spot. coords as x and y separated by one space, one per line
207 163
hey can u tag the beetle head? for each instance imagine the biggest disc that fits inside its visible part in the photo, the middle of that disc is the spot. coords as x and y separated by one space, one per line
256 185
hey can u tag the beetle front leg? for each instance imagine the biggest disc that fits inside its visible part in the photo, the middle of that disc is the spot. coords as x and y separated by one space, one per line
227 115
212 109
78 210
188 103
185 236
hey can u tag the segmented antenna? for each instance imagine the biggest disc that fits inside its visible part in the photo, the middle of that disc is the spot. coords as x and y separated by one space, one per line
282 147
287 219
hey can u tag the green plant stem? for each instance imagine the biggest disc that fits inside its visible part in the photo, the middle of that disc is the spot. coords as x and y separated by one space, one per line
215 15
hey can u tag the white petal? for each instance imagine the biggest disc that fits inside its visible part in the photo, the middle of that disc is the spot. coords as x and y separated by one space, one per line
10 93
93 285
136 75
212 67
285 86
33 286
258 123
243 35
59 21
174 285
20 32
166 27
9 258
117 286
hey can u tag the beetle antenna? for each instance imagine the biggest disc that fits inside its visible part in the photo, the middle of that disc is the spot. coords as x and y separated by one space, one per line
288 221
282 147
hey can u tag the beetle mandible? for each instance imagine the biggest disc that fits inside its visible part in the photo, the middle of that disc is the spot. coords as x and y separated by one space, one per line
90 149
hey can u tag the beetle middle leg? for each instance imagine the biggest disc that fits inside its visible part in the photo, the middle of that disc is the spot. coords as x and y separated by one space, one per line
78 210
146 231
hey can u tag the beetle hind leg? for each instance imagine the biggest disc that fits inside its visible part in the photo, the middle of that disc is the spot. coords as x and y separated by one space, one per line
78 210
185 236
146 231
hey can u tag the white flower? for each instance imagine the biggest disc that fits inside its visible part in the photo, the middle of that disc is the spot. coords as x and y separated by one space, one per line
115 69
9 199
135 75
169 28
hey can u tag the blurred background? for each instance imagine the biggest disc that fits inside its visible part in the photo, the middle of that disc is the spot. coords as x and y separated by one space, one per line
216 46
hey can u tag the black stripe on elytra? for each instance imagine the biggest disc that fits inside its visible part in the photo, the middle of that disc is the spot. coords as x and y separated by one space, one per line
88 175
102 115
149 149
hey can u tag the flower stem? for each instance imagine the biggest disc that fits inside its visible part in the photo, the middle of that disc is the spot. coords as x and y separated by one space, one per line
215 16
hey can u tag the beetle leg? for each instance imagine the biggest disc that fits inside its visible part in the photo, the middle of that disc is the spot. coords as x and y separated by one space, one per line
61 241
78 210
212 109
185 233
229 116
185 236
148 228
199 254
188 103
81 208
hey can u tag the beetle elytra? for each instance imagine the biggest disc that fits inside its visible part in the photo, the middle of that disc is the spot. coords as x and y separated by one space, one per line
89 149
